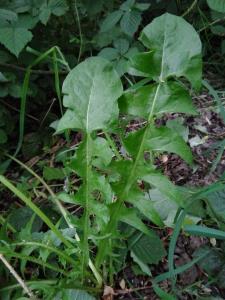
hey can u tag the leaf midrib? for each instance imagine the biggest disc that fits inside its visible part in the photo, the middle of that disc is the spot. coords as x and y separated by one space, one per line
116 213
89 104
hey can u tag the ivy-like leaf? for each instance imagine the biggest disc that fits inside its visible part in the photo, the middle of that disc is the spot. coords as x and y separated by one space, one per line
130 22
91 91
55 7
111 20
8 15
217 5
15 35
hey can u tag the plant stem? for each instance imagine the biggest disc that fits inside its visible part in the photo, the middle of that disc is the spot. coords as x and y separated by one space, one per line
10 227
190 8
85 255
103 246
80 32
50 248
113 146
17 277
22 69
63 211
210 24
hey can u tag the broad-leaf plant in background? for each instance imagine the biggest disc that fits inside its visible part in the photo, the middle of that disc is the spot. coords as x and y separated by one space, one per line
114 186
100 220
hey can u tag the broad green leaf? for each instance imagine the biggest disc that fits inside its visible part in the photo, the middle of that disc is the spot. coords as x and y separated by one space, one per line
178 126
58 7
122 45
166 208
70 294
217 5
143 203
127 5
14 36
82 153
22 6
91 91
216 201
8 15
120 172
109 53
160 139
20 217
69 120
130 21
45 14
121 66
165 186
102 153
176 49
111 20
28 21
143 64
55 7
148 250
100 183
172 98
53 173
67 198
144 267
170 56
218 30
129 216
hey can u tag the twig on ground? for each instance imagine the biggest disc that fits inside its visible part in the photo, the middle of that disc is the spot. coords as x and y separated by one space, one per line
17 277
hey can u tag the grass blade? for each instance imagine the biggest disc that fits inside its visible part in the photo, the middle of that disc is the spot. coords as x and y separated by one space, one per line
34 207
205 231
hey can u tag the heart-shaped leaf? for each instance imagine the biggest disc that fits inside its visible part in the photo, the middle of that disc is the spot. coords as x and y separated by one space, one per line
176 50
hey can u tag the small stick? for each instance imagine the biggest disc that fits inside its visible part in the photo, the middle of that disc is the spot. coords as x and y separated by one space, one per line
17 277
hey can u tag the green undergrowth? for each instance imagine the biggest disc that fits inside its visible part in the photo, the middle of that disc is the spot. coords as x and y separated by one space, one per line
103 205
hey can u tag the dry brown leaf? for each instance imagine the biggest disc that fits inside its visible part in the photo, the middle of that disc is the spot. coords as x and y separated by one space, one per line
108 293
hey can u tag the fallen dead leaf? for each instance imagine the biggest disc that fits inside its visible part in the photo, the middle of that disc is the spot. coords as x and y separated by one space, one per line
122 284
108 293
